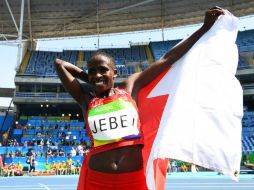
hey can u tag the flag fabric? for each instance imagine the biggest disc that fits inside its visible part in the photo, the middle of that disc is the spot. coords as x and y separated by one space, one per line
193 111
150 112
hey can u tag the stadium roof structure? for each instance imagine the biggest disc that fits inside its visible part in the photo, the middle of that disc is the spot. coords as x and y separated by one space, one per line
38 19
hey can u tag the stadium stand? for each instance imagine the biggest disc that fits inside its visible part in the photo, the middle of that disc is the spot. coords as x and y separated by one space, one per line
245 41
6 122
248 132
41 62
37 128
128 60
160 48
41 133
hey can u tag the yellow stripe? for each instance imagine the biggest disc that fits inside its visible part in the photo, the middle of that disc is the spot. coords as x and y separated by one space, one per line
137 68
149 55
100 143
81 55
25 62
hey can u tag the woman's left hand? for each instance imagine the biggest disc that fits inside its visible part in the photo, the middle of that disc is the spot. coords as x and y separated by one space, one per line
211 16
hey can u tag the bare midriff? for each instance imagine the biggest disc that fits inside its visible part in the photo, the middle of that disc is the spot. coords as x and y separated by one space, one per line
119 160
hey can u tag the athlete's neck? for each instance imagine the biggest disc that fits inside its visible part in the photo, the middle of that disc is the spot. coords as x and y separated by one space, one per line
107 93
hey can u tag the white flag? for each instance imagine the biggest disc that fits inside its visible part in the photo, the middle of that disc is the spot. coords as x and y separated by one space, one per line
201 122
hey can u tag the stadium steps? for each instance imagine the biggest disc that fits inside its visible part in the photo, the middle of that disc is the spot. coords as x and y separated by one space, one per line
25 62
149 54
81 55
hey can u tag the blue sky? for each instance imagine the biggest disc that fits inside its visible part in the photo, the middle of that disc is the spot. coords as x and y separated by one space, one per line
8 54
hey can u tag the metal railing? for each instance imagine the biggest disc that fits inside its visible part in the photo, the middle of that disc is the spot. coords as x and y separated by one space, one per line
48 95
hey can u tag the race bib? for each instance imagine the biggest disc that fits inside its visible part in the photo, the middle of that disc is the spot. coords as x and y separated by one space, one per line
112 122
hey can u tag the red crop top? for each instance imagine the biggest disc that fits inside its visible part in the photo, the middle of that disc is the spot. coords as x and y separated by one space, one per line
113 122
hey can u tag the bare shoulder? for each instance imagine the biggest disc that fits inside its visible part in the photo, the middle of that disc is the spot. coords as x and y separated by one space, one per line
129 83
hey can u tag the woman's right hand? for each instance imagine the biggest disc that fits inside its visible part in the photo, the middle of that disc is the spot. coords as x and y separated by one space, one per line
74 70
68 74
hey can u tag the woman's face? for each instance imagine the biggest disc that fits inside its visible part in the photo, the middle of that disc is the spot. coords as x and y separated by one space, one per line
101 74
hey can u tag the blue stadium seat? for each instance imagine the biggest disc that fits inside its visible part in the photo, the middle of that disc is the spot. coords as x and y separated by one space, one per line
41 63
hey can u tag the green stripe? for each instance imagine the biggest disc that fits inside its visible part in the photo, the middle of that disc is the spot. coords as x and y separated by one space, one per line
110 107
109 141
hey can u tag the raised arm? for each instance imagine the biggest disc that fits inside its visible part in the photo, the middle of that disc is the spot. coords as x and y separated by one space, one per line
68 74
138 80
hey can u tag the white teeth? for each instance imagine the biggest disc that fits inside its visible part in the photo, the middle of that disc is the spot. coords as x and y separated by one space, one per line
99 83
